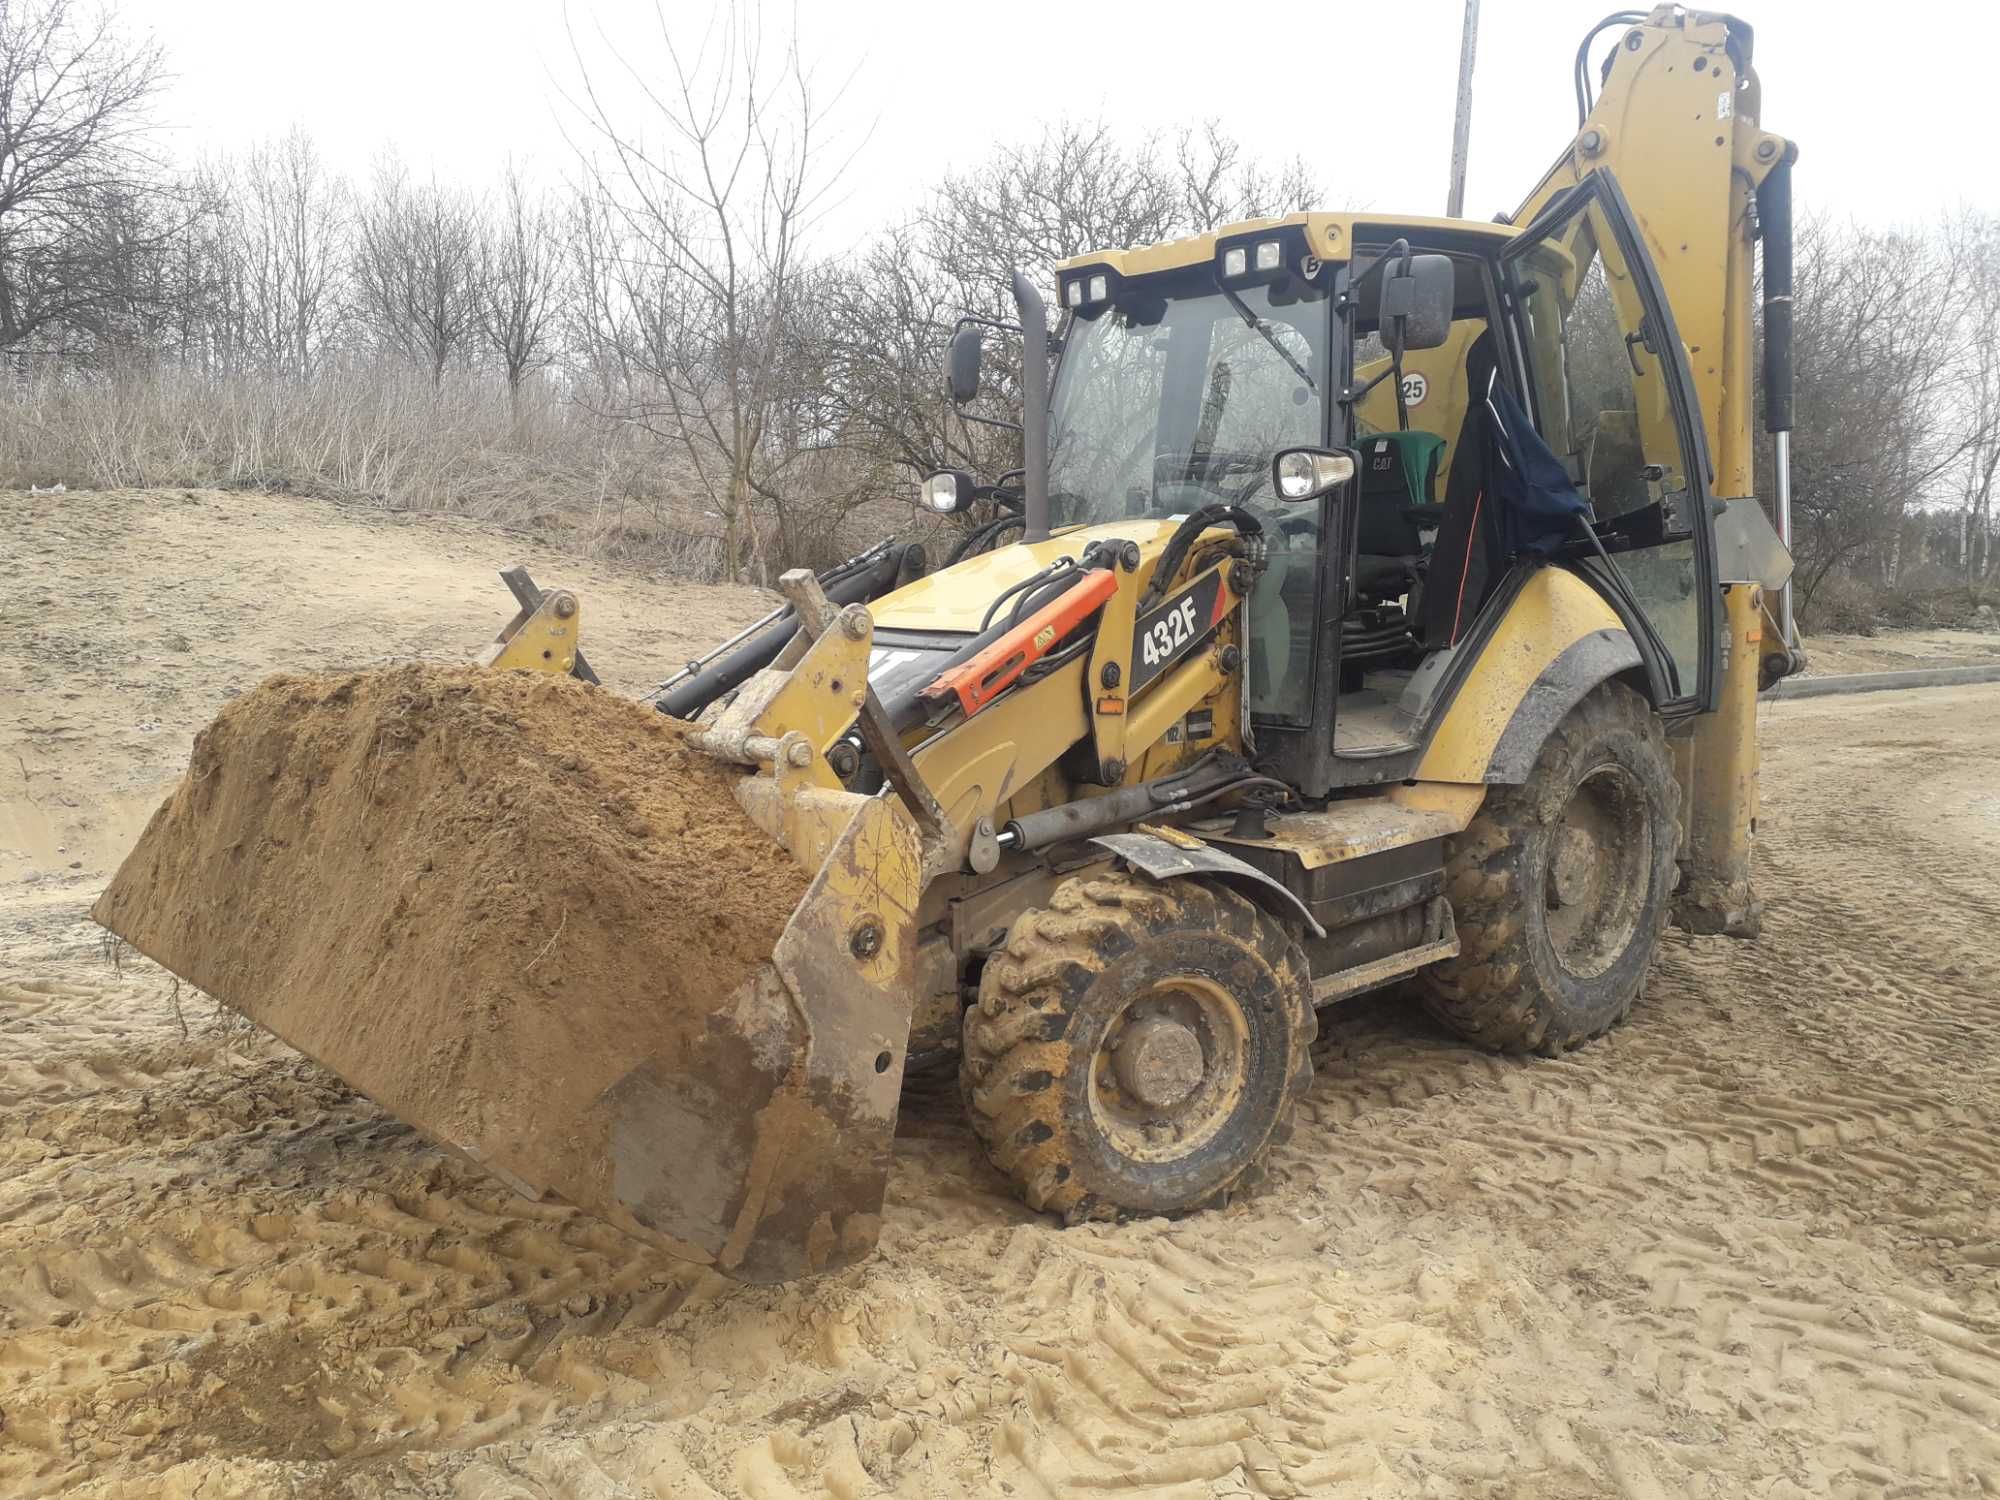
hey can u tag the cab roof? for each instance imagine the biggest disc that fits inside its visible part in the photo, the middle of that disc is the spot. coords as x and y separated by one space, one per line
1330 236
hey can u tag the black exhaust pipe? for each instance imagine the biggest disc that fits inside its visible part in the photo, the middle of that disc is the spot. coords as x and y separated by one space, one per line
1034 408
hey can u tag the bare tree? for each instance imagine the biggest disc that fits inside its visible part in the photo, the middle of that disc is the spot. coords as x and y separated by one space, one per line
416 268
710 198
291 221
521 281
1219 185
1079 187
1075 188
1882 348
1978 409
78 177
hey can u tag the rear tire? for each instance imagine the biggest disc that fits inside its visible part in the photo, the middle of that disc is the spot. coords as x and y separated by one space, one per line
1560 886
1137 1047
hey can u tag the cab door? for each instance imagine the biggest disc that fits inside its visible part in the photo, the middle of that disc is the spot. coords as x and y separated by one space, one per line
1609 384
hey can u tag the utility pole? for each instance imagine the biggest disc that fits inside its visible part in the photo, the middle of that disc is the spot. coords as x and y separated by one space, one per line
1461 128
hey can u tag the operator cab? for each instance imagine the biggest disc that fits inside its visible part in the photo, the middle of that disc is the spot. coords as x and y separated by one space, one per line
1178 387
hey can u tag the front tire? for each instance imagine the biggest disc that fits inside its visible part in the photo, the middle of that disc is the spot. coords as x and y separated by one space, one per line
1137 1047
1560 886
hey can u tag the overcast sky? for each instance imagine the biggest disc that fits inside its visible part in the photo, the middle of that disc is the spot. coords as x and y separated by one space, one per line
1894 115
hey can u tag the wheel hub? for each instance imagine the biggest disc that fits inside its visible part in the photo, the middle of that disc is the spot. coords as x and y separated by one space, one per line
1170 1068
1573 867
1159 1061
1599 856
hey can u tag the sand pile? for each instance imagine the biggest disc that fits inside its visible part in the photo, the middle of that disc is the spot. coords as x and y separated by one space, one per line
479 897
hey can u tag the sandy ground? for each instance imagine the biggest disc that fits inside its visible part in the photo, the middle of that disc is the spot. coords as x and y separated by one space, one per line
1900 651
1747 1245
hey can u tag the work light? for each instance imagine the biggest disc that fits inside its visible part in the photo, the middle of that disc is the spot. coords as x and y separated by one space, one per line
1302 473
946 491
1235 261
1268 253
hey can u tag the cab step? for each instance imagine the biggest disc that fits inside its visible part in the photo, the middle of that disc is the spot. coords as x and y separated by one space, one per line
1440 941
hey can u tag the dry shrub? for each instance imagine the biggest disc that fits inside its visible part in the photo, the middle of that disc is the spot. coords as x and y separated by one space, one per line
369 433
1841 605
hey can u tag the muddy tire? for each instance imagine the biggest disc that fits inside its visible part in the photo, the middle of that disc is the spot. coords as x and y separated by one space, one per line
1560 886
1137 1047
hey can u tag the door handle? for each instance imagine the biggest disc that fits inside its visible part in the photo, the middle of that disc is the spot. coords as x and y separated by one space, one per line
1641 338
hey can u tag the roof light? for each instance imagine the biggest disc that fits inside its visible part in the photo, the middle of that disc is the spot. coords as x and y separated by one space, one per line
1268 253
1235 261
1074 295
1099 287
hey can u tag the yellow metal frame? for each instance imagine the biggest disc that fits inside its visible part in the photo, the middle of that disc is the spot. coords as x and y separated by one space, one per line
542 639
1330 236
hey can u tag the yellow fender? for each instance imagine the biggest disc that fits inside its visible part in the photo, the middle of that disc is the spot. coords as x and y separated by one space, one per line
1557 641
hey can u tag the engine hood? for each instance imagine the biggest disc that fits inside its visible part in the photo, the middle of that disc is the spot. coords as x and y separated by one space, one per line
957 598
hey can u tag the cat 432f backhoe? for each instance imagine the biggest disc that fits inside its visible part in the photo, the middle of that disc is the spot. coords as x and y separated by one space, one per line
1381 599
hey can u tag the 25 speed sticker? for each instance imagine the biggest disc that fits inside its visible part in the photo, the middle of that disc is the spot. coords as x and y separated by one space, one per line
1167 633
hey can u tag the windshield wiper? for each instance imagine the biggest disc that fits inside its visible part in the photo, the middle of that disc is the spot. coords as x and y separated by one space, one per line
1264 333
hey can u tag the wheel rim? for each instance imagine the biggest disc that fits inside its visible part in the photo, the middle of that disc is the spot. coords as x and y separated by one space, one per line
1600 855
1170 1069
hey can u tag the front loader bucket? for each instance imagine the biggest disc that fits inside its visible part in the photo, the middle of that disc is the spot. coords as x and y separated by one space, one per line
527 918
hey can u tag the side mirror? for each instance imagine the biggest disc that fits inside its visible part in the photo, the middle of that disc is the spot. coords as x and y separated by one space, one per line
961 365
947 491
1422 297
1307 473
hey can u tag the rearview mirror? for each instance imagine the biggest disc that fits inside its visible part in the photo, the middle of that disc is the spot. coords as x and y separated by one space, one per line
1422 297
1307 473
961 364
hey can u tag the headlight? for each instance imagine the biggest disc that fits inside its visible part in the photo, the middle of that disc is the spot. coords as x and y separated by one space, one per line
1268 255
1235 261
1099 287
1074 294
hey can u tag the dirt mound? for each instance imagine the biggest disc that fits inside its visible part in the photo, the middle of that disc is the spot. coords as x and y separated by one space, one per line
479 897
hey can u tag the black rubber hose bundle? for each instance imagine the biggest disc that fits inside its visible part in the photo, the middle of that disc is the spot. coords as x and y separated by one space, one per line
1184 538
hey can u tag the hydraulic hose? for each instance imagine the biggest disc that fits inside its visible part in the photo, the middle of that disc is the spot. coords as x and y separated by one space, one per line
982 537
1583 99
1034 580
1184 538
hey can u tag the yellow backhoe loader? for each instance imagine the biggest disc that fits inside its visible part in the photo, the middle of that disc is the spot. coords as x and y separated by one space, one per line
1380 599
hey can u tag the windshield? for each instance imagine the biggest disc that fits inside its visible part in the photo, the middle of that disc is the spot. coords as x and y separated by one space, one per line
1163 405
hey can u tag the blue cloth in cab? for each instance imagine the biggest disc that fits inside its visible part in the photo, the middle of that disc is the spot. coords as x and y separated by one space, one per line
1538 502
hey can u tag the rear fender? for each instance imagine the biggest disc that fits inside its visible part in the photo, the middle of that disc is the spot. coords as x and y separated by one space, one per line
1557 640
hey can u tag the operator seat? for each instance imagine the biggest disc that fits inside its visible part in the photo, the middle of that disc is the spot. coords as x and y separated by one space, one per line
1462 568
1398 473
